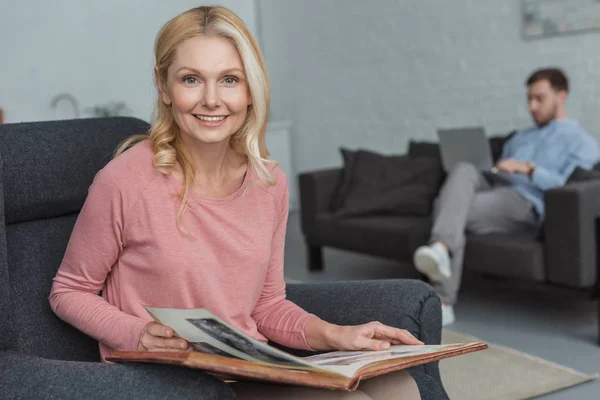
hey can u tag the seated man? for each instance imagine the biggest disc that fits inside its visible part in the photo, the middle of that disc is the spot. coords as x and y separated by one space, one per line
538 159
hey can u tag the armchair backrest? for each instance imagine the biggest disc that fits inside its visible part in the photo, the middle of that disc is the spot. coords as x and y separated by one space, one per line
46 169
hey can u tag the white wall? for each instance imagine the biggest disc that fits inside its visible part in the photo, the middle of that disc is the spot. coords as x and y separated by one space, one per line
377 73
99 51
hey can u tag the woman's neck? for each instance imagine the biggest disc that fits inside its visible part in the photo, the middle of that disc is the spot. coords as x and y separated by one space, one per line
219 169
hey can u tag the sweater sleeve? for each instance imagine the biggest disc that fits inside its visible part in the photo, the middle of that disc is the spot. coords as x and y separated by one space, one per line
94 247
279 319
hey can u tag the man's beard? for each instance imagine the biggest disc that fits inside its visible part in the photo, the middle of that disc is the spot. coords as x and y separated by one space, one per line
550 118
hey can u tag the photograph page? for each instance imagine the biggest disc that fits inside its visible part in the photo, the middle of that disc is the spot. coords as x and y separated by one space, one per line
347 363
207 333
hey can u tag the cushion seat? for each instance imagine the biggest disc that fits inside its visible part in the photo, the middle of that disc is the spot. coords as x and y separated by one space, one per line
512 255
392 236
397 237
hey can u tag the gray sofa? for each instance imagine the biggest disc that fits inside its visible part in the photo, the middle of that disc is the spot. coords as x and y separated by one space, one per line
45 171
563 253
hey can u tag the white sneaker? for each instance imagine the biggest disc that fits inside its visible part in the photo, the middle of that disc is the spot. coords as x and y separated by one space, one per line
447 314
433 261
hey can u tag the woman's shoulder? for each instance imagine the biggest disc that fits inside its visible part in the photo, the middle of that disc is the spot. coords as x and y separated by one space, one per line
279 187
276 171
131 169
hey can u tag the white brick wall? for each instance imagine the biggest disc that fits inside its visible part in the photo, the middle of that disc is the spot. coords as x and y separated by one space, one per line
99 51
376 73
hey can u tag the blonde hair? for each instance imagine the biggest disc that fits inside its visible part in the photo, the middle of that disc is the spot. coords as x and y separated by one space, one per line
164 135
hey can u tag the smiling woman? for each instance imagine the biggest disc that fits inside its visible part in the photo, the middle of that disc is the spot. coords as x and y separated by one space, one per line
213 94
193 215
206 88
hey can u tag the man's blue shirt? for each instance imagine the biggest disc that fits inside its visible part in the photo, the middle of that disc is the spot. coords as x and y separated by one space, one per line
557 149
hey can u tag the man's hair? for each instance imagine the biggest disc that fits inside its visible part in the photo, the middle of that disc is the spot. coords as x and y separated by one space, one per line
557 78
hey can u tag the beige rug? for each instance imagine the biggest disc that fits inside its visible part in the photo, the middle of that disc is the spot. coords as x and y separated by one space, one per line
501 373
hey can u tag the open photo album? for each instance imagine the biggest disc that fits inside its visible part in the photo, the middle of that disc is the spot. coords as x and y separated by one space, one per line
224 351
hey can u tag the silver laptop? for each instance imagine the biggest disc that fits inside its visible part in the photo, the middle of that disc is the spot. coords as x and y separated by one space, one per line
472 146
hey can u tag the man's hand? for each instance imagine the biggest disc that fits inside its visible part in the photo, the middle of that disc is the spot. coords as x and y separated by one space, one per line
511 166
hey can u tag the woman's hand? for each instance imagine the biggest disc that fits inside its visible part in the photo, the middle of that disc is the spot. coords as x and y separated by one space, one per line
371 336
157 337
321 335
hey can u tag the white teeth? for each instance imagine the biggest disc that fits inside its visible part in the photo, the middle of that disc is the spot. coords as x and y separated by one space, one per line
209 119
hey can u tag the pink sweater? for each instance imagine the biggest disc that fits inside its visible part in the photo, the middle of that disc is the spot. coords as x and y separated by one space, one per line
126 243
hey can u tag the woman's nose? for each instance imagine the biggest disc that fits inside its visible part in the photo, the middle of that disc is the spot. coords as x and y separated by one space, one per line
210 97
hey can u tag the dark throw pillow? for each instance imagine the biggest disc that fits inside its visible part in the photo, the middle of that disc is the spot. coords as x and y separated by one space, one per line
424 149
583 175
343 185
378 184
497 145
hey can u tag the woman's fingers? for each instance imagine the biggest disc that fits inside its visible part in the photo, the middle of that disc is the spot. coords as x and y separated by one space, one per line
155 343
391 334
374 344
175 343
160 330
158 337
366 340
373 336
168 344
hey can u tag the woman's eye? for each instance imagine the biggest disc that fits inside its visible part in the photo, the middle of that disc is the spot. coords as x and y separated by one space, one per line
190 80
230 80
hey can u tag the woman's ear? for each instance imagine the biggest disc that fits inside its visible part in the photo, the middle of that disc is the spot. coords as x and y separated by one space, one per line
160 83
249 92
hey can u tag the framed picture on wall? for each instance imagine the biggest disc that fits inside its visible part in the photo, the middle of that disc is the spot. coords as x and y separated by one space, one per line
542 18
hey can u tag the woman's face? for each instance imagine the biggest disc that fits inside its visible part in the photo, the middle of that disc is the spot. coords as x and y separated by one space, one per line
207 89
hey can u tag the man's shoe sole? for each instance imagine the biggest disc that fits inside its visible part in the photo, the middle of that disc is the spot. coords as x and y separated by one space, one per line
449 314
429 266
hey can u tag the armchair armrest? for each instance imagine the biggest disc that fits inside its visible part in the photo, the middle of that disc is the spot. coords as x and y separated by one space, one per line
408 304
28 377
572 212
316 192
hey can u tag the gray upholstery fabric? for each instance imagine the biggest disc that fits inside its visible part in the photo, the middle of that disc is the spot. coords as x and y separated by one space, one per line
45 171
400 303
375 183
565 254
31 269
32 378
406 304
571 233
6 338
429 387
344 183
388 236
584 175
48 166
316 193
508 255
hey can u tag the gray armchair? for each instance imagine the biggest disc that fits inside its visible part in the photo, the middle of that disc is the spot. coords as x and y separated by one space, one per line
45 171
564 253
